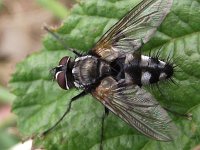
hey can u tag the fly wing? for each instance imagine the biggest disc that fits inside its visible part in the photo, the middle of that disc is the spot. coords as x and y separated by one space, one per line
133 30
136 107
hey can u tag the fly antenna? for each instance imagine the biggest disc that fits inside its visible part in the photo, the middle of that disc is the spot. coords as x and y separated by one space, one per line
57 37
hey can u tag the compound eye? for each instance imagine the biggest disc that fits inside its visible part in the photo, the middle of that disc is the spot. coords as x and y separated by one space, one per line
60 77
64 60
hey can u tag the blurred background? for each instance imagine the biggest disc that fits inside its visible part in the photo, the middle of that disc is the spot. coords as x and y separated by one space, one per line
21 34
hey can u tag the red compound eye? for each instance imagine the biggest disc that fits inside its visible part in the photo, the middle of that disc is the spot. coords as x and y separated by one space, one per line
60 77
64 60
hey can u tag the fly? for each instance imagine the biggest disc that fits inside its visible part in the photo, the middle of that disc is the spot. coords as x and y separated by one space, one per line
114 72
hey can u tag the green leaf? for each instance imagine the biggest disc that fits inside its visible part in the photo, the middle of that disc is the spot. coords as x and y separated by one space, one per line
6 96
40 102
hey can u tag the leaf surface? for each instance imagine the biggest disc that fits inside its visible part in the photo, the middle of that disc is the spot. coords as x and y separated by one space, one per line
40 102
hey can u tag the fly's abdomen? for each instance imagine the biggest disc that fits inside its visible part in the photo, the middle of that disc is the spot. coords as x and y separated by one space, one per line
148 70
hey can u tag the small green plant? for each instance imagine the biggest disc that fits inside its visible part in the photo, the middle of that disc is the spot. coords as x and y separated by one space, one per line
40 102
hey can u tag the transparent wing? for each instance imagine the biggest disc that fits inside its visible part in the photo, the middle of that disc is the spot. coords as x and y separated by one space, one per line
136 107
134 29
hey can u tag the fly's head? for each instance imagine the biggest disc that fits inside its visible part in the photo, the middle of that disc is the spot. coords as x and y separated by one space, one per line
63 73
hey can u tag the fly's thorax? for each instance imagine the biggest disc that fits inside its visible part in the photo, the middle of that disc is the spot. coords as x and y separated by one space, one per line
146 70
88 70
63 73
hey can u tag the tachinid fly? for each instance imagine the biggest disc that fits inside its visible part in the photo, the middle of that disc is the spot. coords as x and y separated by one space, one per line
114 71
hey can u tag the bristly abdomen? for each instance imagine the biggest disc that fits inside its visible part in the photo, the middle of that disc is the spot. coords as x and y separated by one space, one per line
148 70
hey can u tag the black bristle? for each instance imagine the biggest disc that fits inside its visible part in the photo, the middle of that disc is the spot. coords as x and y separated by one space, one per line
173 81
158 53
149 53
158 87
169 57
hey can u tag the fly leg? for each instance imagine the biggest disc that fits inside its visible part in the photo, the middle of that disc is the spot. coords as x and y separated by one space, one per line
59 39
188 116
66 112
105 114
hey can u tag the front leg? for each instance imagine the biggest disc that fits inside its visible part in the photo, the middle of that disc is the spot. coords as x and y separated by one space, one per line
66 112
